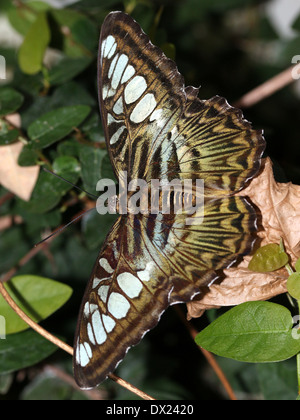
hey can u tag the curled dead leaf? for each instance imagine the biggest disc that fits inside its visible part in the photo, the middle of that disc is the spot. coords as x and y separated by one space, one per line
17 179
279 205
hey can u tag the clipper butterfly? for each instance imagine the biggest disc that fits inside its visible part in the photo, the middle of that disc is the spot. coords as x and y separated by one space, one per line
156 128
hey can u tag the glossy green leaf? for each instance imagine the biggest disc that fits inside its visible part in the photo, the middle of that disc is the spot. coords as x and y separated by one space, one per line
268 258
293 285
254 332
10 101
38 297
55 125
24 349
32 50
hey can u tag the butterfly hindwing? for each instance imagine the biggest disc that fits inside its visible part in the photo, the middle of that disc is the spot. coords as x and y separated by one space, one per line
146 264
155 128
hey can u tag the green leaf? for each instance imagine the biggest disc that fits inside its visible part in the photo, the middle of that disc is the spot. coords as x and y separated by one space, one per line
32 50
297 265
38 297
83 33
293 285
92 128
254 332
10 101
281 376
24 349
21 19
28 156
64 165
55 125
268 258
91 162
8 136
67 69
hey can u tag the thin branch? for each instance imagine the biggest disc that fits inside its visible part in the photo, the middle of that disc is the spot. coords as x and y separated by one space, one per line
33 324
267 89
63 345
209 357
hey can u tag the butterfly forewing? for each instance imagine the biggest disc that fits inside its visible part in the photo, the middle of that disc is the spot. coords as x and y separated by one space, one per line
155 128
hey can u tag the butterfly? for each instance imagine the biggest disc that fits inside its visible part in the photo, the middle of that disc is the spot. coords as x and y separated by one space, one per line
156 128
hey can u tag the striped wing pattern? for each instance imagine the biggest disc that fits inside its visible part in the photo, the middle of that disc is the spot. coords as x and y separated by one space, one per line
156 128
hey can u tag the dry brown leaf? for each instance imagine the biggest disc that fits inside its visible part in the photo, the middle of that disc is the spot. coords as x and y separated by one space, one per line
279 205
17 179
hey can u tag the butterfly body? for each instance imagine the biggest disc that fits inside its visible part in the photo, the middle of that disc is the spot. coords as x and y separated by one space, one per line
157 129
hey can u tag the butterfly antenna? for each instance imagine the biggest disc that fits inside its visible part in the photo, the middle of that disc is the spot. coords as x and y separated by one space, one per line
64 227
71 183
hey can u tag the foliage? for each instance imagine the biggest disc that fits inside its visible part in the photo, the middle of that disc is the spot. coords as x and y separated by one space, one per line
51 83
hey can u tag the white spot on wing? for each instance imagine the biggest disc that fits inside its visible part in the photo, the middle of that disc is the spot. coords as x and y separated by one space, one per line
93 308
112 65
119 69
105 264
128 73
143 109
97 281
135 88
109 46
86 309
157 116
90 333
118 305
130 284
102 292
108 322
110 119
118 106
115 137
83 355
145 275
99 331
